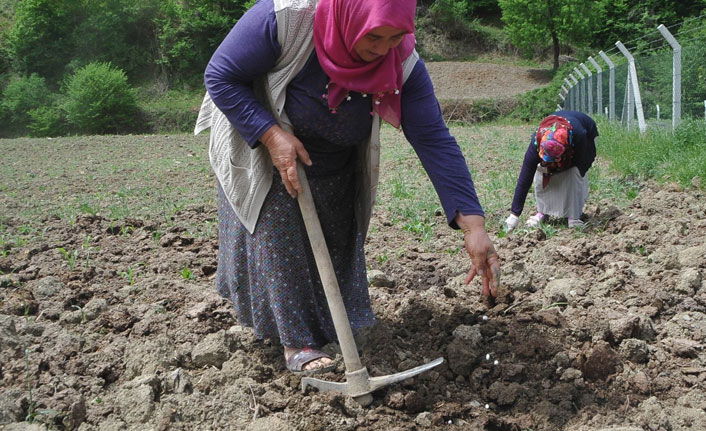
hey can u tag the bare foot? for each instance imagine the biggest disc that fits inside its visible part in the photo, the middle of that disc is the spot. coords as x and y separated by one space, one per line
315 364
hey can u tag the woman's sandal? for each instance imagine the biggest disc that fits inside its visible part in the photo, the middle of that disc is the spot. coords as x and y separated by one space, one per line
297 361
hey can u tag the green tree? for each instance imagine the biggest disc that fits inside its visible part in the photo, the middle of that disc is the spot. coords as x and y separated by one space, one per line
119 31
533 22
39 38
7 13
626 20
189 31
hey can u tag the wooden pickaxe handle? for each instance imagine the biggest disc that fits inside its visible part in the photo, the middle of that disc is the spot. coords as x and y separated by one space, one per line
327 274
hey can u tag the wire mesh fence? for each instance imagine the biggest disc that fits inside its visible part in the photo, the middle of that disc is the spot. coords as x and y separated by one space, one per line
657 82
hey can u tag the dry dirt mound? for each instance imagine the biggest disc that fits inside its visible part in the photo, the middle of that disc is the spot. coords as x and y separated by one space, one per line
473 81
472 92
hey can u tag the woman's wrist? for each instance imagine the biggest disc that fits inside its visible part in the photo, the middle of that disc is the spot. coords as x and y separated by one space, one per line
470 223
269 136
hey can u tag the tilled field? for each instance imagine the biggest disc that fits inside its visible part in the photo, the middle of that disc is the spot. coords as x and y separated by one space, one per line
593 330
109 319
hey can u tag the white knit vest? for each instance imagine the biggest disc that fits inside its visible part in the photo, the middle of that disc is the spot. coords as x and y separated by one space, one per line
244 173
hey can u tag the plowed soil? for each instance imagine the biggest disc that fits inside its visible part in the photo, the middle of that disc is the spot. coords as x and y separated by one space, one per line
109 319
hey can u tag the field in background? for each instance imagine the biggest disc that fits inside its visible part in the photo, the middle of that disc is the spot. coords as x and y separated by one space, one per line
109 318
153 177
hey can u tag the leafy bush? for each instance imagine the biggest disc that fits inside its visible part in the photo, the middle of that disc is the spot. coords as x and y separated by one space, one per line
22 95
536 104
47 121
99 99
449 11
172 39
476 111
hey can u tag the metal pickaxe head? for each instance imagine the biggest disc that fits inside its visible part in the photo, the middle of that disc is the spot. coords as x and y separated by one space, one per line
360 385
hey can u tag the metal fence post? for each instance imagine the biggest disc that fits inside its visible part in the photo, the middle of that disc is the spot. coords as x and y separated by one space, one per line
634 85
599 85
627 114
575 95
611 85
676 75
582 87
562 94
569 94
590 88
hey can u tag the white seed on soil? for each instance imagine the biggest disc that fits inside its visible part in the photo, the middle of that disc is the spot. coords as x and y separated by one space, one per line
450 422
487 356
487 406
485 318
496 362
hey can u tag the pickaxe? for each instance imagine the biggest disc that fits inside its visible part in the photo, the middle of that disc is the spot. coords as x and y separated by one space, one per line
359 384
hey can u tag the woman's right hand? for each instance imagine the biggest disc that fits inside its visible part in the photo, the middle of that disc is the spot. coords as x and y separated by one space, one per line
285 149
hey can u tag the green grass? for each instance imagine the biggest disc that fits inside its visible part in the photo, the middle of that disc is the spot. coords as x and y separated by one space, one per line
405 193
171 111
658 154
494 154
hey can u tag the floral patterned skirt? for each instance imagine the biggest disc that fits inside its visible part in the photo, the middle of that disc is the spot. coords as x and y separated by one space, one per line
271 275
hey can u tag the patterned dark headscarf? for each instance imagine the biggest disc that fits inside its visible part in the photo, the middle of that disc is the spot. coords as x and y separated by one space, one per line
555 143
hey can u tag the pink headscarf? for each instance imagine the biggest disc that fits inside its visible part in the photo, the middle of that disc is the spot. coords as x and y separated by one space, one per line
338 25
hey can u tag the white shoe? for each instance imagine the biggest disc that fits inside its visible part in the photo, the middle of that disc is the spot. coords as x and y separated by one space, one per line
534 221
573 223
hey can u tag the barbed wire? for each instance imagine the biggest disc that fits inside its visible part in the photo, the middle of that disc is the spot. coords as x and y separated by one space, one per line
684 42
691 30
628 43
680 34
652 54
631 47
643 48
703 15
661 42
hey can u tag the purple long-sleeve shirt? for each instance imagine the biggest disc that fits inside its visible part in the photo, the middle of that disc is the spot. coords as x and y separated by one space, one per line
585 133
251 49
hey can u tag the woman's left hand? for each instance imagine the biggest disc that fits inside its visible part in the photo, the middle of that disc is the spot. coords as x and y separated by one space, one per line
484 259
